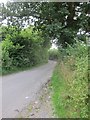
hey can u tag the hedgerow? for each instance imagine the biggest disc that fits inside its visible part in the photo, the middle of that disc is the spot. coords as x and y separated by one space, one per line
70 83
22 49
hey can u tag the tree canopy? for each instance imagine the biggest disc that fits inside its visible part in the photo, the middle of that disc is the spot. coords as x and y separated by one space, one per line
57 20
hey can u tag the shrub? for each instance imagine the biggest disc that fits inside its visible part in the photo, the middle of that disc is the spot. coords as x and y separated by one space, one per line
6 60
23 49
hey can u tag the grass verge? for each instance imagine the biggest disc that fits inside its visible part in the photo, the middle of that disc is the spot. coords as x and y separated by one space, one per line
69 94
59 91
70 84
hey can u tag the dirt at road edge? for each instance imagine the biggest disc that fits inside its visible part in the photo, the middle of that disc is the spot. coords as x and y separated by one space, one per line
41 107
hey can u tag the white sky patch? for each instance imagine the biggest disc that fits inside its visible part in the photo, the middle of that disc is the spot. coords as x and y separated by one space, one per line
4 22
3 1
53 46
26 97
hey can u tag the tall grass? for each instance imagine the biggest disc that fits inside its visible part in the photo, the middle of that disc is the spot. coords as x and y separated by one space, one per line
70 83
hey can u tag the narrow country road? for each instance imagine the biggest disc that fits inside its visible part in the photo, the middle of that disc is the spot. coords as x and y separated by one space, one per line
21 88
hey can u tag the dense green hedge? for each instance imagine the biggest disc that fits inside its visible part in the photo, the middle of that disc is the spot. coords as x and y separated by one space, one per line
70 83
22 49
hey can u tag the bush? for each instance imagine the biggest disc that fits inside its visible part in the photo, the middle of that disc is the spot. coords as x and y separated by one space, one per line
23 49
6 60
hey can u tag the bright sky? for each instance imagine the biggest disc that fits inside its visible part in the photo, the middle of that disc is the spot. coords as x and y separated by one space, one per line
3 1
53 46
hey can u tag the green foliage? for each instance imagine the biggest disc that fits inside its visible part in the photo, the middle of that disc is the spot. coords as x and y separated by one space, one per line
61 20
23 49
70 83
6 46
8 30
53 54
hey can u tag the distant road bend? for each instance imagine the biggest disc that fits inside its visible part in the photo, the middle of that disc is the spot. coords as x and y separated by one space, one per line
21 88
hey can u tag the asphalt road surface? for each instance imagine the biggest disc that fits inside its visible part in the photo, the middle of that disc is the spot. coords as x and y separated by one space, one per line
21 88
